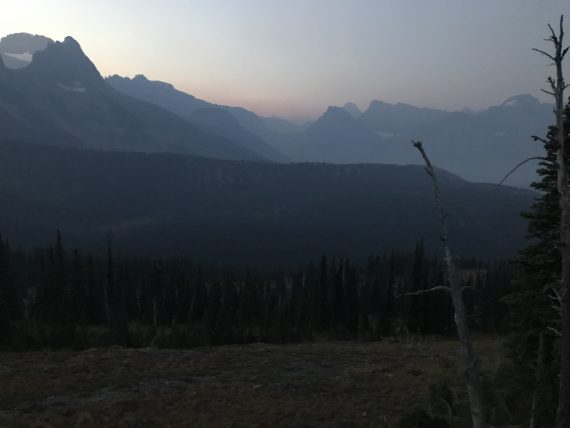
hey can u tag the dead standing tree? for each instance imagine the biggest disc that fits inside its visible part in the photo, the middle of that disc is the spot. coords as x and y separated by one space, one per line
557 87
455 289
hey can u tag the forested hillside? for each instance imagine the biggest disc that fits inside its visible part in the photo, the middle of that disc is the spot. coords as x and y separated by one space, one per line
252 213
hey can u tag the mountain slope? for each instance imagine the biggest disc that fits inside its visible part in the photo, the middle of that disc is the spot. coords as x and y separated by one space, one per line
244 212
353 110
479 146
61 99
488 144
166 96
221 122
199 112
398 119
337 137
159 93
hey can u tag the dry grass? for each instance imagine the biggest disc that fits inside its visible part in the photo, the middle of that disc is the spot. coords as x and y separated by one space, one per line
307 385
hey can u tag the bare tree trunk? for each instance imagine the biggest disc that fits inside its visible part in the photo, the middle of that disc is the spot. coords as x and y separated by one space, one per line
472 373
557 87
540 367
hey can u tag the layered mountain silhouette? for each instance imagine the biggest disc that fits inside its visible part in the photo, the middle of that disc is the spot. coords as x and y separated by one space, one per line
167 96
221 122
479 146
159 93
238 125
91 155
486 145
246 212
335 135
61 99
398 119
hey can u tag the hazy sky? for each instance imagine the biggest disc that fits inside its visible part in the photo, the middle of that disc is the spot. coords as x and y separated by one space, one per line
295 57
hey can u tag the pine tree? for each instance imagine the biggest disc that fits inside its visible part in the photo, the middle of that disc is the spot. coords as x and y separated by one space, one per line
11 309
532 312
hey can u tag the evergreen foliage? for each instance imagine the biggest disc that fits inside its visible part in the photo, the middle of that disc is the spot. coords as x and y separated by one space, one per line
532 305
62 298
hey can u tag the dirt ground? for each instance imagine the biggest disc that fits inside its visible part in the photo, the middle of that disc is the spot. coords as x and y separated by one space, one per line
341 384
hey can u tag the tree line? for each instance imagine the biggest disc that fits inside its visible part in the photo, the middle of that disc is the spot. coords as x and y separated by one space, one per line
58 297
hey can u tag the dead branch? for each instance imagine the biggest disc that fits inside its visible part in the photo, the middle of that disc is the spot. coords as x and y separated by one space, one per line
519 165
543 53
542 140
473 375
429 290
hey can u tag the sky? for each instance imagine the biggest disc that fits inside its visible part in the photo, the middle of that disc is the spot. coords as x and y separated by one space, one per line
293 58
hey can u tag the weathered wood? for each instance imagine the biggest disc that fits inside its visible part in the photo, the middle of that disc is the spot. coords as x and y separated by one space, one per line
472 373
539 378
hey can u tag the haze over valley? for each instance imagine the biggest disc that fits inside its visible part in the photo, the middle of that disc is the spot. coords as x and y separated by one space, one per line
266 213
59 99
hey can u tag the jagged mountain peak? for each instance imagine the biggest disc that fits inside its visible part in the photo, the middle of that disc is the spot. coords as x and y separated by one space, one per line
65 62
353 110
334 112
377 103
139 80
71 43
337 126
334 119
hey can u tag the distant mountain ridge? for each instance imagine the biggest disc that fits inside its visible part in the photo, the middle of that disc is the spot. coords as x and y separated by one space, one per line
398 119
17 50
187 106
193 177
337 134
479 146
160 93
61 99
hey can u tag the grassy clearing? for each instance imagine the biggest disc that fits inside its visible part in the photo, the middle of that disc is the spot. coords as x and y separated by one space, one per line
341 384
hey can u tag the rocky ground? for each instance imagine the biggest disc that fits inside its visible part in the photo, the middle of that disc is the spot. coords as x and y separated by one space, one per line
342 384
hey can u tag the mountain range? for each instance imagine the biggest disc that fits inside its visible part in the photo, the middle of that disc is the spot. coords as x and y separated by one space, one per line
48 101
479 146
61 99
230 122
166 172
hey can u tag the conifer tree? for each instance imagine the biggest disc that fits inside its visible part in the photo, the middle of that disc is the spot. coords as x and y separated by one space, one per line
10 301
531 304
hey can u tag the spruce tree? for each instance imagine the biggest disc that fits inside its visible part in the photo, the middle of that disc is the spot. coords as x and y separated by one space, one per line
531 305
